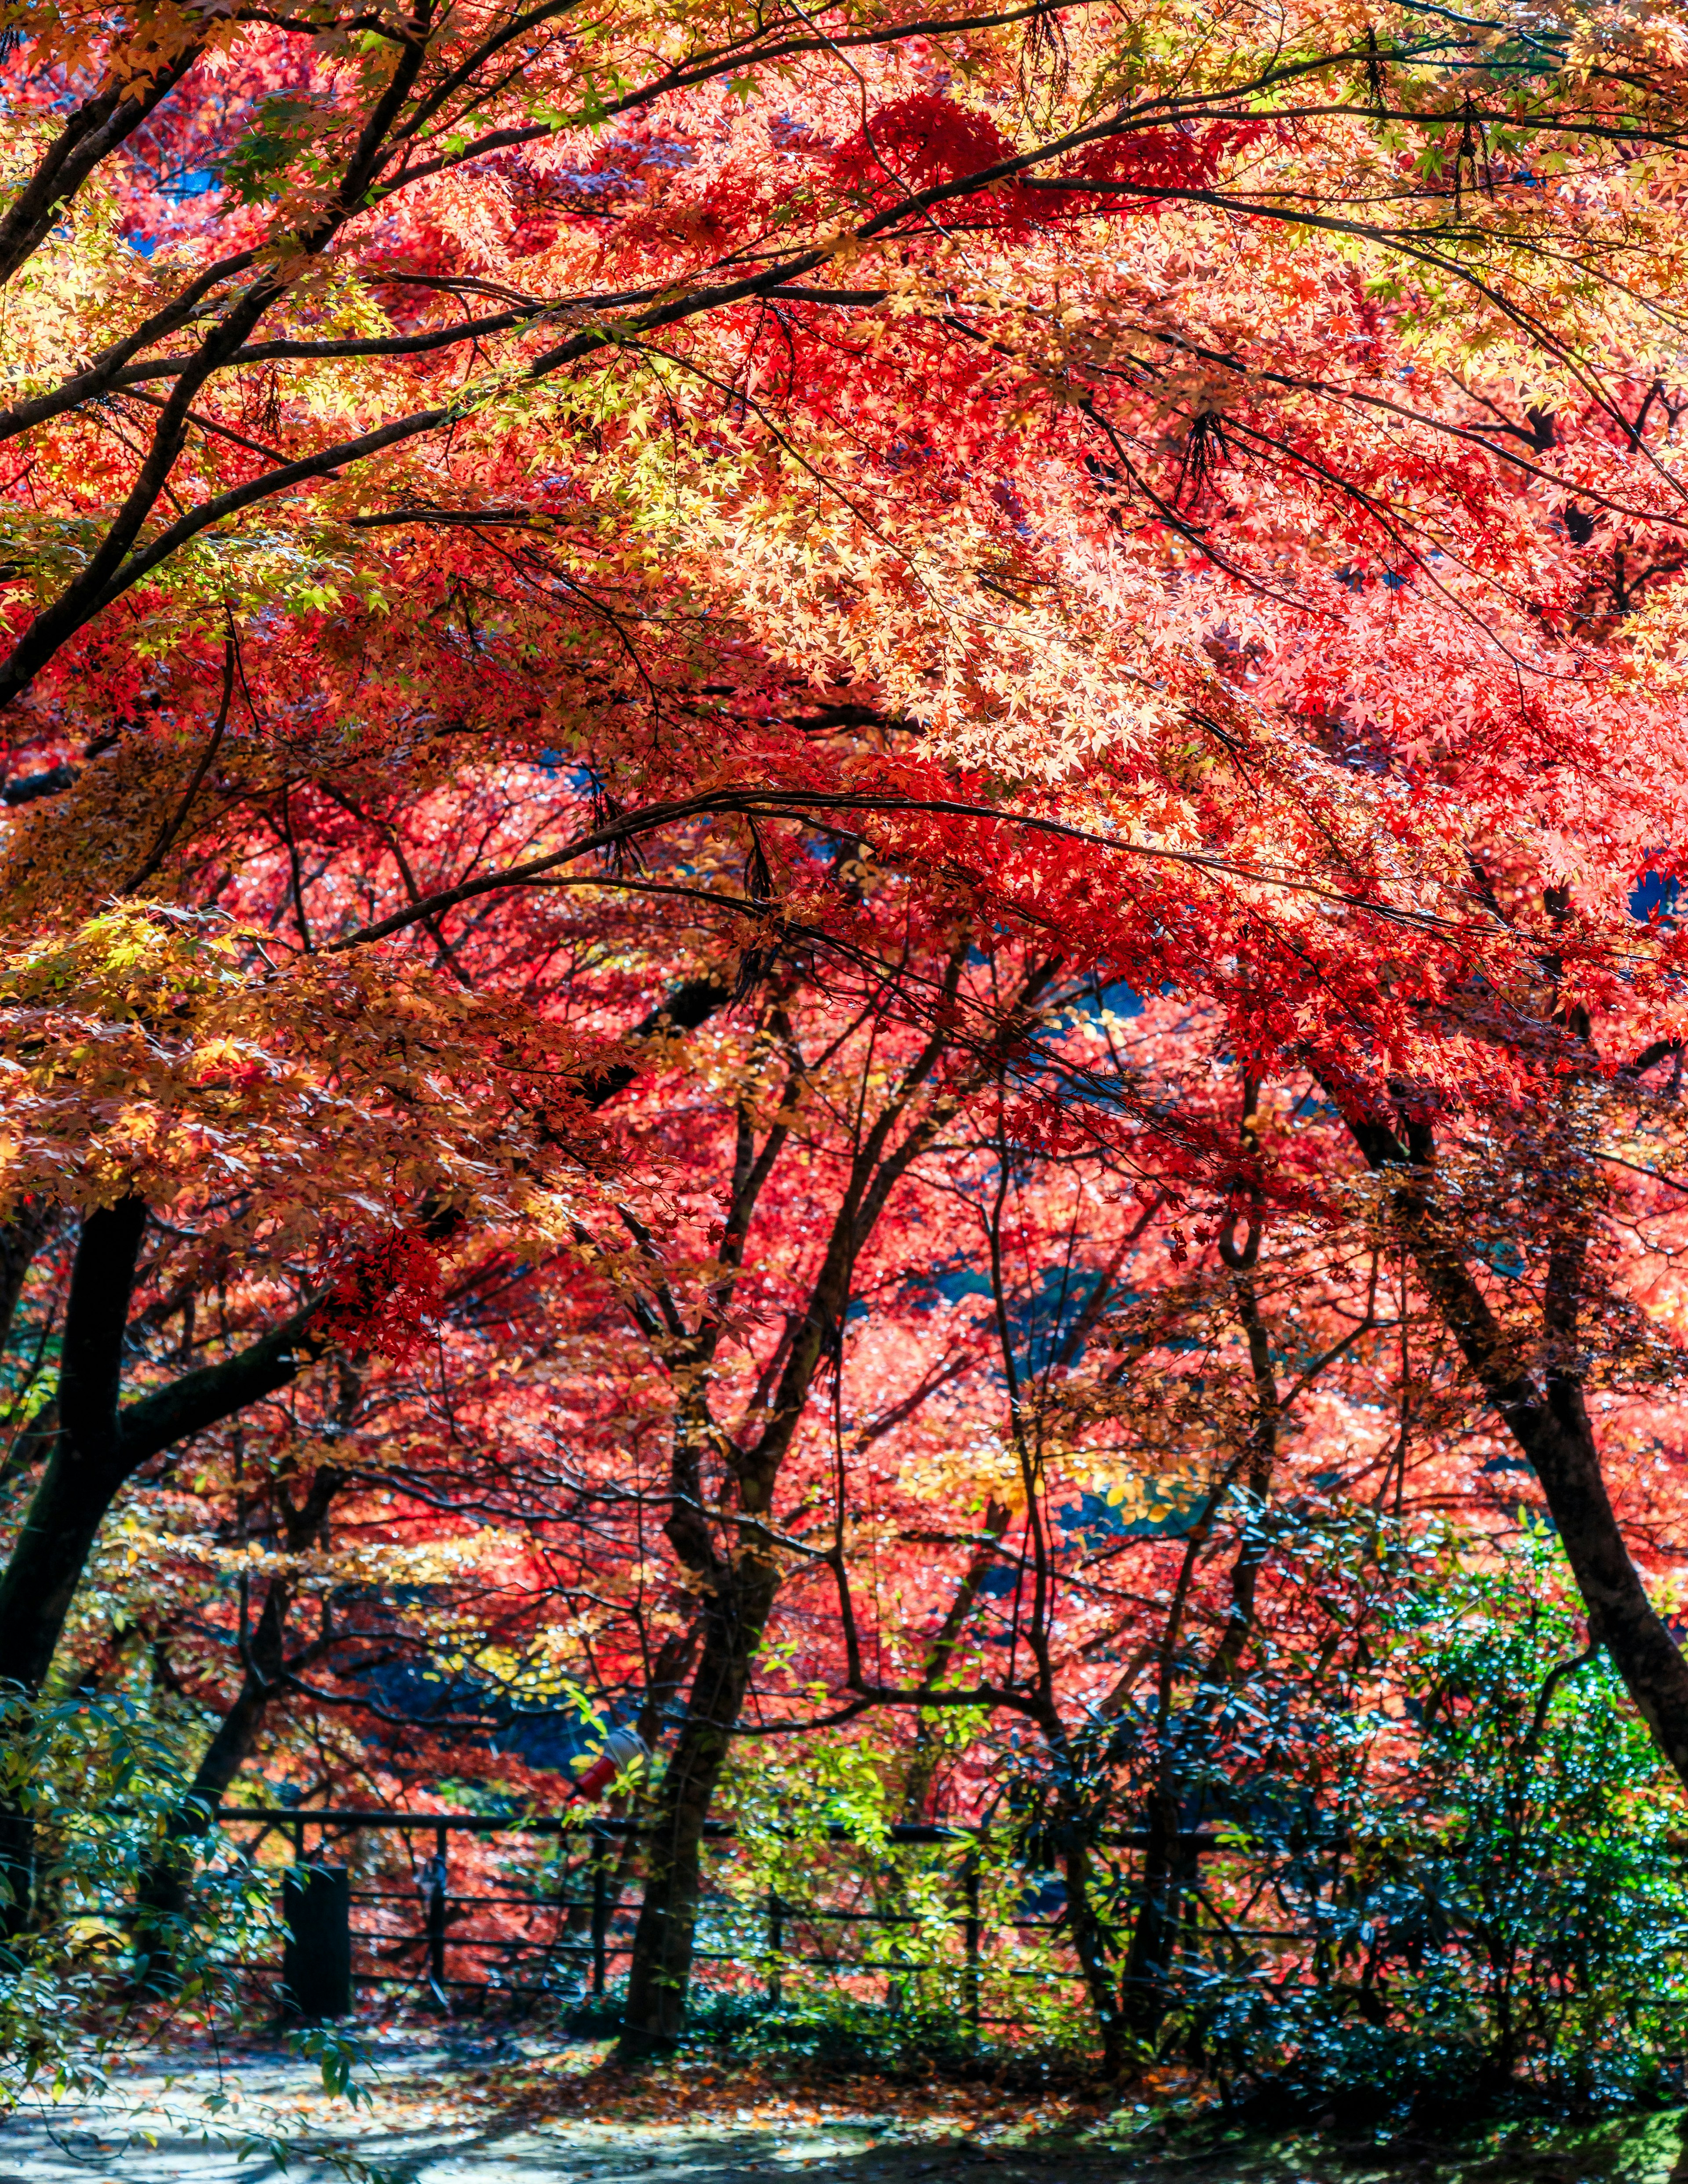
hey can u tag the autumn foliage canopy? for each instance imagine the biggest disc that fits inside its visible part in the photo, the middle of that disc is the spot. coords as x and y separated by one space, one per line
838 884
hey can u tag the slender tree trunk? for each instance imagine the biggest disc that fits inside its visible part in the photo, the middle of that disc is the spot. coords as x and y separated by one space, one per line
161 1900
667 1673
59 1528
1561 1449
86 1467
1146 1987
663 1944
1547 1416
166 1885
98 1448
1090 1944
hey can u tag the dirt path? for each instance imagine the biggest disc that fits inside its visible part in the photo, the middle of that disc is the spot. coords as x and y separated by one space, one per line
569 2153
563 2152
434 2121
528 2113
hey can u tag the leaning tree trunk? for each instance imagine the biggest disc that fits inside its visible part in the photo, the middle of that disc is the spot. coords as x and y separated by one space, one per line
1090 1944
161 1900
86 1465
82 1475
663 1944
1547 1416
1557 1438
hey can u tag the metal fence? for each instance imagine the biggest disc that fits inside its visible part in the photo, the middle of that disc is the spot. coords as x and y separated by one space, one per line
400 1901
444 1910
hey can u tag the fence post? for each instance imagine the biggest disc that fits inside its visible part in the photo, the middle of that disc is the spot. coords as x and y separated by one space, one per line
316 1955
437 1911
776 1942
599 1842
970 1891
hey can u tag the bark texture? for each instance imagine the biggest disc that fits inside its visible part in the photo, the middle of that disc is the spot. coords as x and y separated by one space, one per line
100 1444
665 1939
1545 1411
161 1901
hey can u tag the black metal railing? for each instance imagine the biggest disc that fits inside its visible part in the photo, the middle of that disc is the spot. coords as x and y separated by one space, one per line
578 1923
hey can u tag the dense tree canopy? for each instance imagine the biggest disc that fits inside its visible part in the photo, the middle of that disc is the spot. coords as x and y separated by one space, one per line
835 840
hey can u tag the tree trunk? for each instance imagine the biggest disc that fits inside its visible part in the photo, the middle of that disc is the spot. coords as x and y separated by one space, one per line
1560 1443
1169 1866
1146 1987
668 1672
98 1449
59 1528
663 1944
740 1591
83 1474
161 1899
1091 1947
1549 1420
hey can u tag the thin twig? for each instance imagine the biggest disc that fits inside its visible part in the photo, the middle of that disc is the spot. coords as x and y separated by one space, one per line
172 826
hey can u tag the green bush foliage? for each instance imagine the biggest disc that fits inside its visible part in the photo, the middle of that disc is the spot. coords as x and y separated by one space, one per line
1478 1892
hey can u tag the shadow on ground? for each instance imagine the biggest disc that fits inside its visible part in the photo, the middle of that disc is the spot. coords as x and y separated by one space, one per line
563 2118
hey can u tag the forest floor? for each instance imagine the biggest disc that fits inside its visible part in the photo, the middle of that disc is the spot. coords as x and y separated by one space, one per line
445 2111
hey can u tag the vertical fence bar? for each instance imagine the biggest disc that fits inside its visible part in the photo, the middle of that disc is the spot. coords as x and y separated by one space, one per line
436 1913
599 1842
776 1942
970 1897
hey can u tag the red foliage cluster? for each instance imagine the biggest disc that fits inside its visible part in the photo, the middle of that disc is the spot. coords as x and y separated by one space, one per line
918 142
388 1300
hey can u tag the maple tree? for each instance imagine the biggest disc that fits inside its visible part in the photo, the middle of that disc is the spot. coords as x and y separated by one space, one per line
1223 538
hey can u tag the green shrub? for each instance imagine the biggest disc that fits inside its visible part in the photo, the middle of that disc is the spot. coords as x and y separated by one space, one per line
1492 1906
